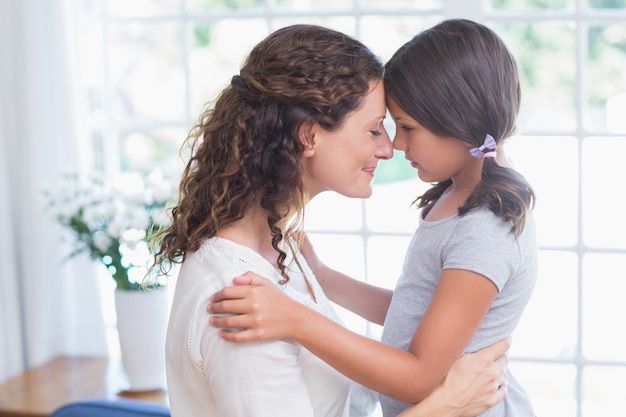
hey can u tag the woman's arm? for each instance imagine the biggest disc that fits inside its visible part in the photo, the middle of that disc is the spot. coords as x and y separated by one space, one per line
474 383
368 301
458 306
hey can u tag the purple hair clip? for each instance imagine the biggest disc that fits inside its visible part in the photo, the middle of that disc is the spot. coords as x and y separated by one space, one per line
488 144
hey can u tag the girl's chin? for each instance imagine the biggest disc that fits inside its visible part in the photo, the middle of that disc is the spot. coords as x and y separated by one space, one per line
424 177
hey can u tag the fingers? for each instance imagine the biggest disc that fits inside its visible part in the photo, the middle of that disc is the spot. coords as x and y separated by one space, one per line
251 322
232 293
244 287
501 362
238 336
230 306
499 395
250 278
229 322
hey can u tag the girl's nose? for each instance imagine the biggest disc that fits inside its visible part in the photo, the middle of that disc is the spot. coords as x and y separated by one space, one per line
398 143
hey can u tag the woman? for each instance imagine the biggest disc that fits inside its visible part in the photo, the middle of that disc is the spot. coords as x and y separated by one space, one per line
303 116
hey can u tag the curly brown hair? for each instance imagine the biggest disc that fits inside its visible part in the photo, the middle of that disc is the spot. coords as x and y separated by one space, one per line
246 151
458 79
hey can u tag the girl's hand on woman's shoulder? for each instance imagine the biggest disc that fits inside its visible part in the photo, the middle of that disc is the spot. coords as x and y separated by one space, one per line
255 307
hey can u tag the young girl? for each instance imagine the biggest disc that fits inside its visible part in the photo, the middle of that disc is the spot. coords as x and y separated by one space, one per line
453 92
306 98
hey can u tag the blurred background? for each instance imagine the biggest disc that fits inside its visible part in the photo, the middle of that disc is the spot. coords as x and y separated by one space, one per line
112 87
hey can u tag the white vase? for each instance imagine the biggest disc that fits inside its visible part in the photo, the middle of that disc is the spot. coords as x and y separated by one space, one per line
142 324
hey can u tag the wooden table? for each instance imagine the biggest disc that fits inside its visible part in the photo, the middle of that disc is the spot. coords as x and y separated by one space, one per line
38 391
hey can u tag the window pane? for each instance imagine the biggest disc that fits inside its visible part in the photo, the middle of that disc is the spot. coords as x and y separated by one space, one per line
345 24
226 5
385 34
604 223
546 57
142 56
604 286
546 332
390 209
603 391
91 60
394 5
551 387
97 151
519 5
607 4
314 5
216 53
143 150
606 79
385 257
556 211
345 254
331 211
142 8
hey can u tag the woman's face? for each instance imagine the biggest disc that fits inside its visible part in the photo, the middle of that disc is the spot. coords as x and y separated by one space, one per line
344 160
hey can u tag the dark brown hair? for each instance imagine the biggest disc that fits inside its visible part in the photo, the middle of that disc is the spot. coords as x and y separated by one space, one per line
246 151
458 79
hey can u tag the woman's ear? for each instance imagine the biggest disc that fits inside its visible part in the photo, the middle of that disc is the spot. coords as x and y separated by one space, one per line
307 137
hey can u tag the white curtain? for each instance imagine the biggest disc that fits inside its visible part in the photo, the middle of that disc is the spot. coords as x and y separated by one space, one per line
46 308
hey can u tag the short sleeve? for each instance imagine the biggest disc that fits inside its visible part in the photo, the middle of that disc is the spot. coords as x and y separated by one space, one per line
483 243
249 379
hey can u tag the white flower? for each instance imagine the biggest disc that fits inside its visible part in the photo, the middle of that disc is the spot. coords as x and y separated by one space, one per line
101 241
139 220
108 208
136 198
132 237
116 228
112 223
94 214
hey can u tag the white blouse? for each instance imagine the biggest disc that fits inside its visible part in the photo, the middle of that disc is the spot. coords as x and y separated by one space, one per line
207 376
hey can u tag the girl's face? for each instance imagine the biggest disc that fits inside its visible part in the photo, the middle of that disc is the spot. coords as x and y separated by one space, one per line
436 158
344 161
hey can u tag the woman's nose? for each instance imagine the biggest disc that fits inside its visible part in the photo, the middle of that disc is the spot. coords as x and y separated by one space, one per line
385 148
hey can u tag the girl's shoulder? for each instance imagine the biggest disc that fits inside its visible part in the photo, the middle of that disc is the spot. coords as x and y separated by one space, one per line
482 217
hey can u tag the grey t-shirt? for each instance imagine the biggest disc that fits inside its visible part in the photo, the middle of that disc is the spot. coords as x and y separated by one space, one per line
481 242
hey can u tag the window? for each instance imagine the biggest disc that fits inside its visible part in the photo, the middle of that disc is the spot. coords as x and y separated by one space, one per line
149 66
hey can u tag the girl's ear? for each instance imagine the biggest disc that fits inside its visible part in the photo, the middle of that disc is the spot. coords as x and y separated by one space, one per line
307 137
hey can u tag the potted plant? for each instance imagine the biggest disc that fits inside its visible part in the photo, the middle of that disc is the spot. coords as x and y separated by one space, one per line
113 224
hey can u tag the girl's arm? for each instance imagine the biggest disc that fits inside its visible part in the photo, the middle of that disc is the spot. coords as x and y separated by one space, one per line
474 383
368 301
460 302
